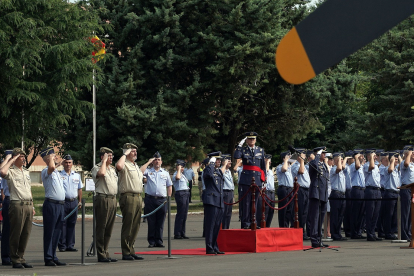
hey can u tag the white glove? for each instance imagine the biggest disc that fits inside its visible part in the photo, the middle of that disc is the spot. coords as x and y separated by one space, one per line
242 141
319 152
212 160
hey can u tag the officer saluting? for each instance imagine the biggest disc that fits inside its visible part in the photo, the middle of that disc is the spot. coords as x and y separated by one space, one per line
72 183
318 195
253 158
213 201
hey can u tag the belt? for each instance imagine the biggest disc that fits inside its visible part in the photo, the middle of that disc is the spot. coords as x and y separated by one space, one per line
392 191
131 194
382 189
282 186
374 188
154 196
22 202
227 190
305 188
339 192
105 195
183 190
71 199
270 190
7 197
357 187
55 201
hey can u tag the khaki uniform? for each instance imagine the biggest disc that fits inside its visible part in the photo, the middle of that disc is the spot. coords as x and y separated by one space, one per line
20 211
130 201
105 208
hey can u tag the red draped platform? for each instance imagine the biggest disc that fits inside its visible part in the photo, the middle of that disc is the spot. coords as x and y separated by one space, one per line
261 240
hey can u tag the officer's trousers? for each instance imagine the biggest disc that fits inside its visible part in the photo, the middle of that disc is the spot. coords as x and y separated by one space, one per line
21 217
131 208
105 211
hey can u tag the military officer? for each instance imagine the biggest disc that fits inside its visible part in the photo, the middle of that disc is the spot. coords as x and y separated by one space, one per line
299 170
53 207
338 184
130 200
391 184
213 201
407 177
105 179
253 166
270 191
182 197
158 186
284 175
72 183
318 195
357 192
372 191
383 168
228 192
189 174
5 194
348 203
21 208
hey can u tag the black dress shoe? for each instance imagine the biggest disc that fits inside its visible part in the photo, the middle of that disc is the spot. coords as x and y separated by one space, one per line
7 263
177 237
316 245
112 260
258 227
26 265
18 266
72 249
378 239
185 237
371 239
358 237
341 239
59 263
151 246
393 238
246 227
220 252
50 263
62 249
136 257
211 252
159 245
105 260
127 258
324 245
306 238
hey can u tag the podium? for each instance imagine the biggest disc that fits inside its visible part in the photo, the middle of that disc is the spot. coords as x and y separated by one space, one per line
411 187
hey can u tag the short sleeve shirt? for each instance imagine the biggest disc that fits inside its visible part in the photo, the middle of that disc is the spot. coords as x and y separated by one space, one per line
19 183
157 182
303 178
228 181
180 184
285 178
53 185
130 178
107 184
337 180
372 178
72 182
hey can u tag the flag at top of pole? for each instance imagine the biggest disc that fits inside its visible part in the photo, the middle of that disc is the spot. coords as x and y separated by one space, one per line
99 49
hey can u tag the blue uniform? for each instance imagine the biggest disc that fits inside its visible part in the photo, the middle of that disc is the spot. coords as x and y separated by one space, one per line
407 177
390 206
252 158
303 196
72 183
348 203
228 195
383 180
285 179
270 193
182 197
5 237
358 206
53 213
318 196
189 173
338 185
372 191
213 205
156 195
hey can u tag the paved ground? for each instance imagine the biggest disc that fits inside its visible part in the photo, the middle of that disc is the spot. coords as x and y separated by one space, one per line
355 257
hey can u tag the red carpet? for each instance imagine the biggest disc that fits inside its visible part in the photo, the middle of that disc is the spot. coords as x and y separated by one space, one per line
192 251
262 240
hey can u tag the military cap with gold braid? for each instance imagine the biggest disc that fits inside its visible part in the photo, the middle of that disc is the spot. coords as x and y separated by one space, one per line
17 151
216 154
47 151
104 150
129 146
251 134
226 156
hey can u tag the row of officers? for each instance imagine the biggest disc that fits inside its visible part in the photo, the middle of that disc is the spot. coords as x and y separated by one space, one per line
361 187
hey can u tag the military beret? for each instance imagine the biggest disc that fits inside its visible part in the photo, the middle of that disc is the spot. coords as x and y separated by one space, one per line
338 154
284 154
129 146
216 154
180 162
17 151
226 156
157 155
67 157
251 134
46 151
320 148
7 152
104 150
268 156
408 147
368 151
205 161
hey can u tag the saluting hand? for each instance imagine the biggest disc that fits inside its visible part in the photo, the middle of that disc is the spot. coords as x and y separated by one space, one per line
151 159
212 160
242 141
105 157
128 151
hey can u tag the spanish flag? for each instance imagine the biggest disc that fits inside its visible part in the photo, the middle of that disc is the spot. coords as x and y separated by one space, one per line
99 49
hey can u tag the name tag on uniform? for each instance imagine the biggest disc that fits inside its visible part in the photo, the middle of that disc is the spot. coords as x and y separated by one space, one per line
258 154
163 177
76 181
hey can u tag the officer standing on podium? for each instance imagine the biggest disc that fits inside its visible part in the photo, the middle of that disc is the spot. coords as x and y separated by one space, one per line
253 158
318 196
